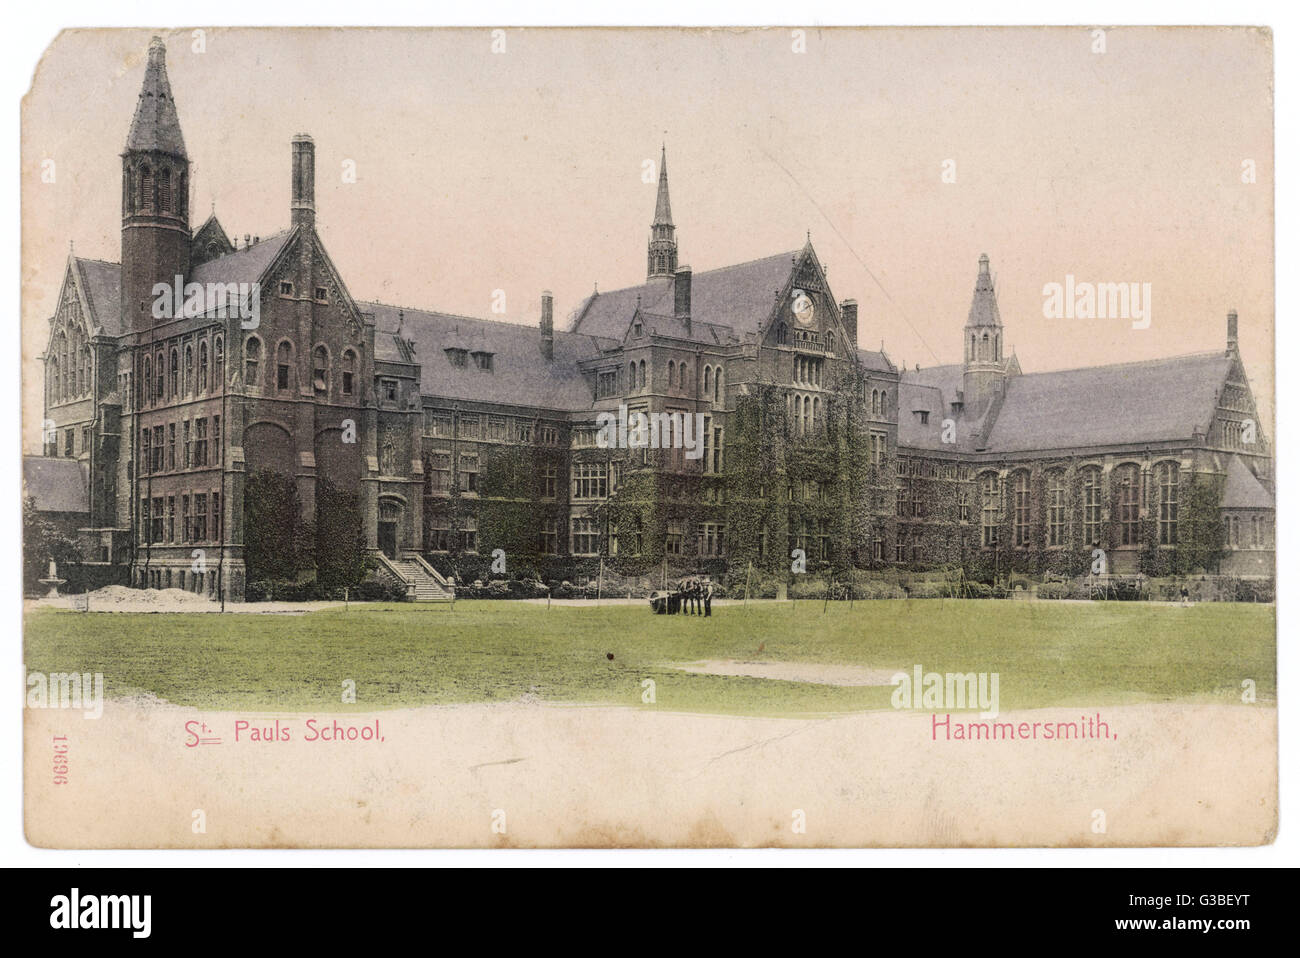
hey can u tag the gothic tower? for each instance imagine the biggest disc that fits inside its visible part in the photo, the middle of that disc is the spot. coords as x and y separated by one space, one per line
984 367
661 253
155 195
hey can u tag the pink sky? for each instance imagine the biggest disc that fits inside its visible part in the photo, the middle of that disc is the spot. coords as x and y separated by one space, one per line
521 170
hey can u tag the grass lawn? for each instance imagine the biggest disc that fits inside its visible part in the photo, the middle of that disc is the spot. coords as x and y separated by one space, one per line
1047 653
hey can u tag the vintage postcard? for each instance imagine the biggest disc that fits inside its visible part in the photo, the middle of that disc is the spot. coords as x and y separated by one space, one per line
792 437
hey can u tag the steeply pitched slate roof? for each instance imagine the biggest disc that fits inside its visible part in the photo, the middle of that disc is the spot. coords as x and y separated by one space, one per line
155 125
875 361
933 390
1121 404
1242 490
520 374
102 284
243 266
740 296
57 485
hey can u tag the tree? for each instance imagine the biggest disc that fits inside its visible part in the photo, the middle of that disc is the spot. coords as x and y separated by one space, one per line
44 540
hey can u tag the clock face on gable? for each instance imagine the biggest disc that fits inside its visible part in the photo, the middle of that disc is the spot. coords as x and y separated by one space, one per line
801 305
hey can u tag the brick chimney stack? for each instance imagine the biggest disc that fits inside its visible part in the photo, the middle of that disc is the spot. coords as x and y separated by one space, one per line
303 206
682 295
849 313
548 324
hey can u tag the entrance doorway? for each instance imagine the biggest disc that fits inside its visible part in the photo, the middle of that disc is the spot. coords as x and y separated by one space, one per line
388 516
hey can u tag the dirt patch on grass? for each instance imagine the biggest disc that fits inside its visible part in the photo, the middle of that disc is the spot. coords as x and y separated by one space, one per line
120 598
811 672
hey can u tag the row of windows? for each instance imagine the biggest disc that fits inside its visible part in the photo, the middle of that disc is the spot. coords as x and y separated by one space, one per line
199 518
146 190
164 448
804 414
1257 534
443 425
284 372
807 370
181 372
1126 484
68 375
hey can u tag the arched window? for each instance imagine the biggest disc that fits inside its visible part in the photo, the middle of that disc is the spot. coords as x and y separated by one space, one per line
640 375
203 366
875 402
1167 483
164 190
173 371
1056 512
805 425
884 403
283 365
708 379
781 334
146 188
54 381
1092 506
158 369
218 364
990 506
320 370
349 372
189 371
1022 508
717 387
148 380
830 341
89 360
672 373
252 360
816 414
984 347
1126 483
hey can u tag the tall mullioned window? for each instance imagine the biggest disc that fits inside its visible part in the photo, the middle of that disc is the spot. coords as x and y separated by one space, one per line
1022 508
1167 483
1127 497
590 480
1056 527
989 508
1092 506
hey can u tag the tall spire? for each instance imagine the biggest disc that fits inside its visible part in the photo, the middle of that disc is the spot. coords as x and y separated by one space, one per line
661 253
663 209
155 126
982 344
155 194
984 304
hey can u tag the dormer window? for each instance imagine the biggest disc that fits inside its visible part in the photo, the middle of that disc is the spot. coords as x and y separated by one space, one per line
483 361
636 329
457 357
